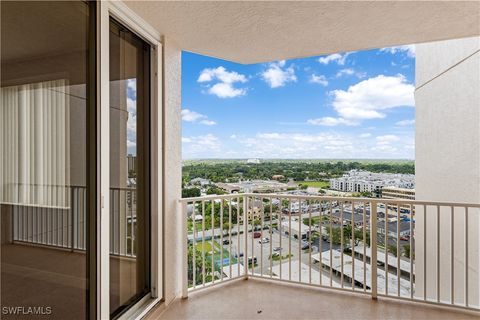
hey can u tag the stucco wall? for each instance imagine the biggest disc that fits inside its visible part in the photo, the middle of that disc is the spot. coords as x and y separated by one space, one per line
447 162
172 169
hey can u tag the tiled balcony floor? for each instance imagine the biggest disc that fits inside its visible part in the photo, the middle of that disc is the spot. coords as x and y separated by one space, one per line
259 299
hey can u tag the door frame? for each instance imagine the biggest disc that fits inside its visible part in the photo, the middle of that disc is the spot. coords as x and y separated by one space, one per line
120 12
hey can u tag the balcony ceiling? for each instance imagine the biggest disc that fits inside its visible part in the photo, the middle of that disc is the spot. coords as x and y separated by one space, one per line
251 31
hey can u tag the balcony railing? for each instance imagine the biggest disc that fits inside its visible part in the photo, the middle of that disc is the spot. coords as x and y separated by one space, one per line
65 227
405 249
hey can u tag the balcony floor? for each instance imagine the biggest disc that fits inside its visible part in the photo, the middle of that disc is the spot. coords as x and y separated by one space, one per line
260 299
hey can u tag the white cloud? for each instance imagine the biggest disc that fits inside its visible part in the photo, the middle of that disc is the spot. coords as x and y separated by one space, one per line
408 49
226 90
346 71
132 124
277 75
369 98
387 139
208 122
320 145
330 121
321 79
131 105
407 122
349 72
195 117
132 84
225 80
283 145
339 58
385 148
222 75
204 145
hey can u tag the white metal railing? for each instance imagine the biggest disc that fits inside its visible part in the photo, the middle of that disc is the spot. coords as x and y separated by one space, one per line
65 227
417 251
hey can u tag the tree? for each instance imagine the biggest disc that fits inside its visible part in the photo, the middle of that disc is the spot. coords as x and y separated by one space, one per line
190 192
406 250
215 190
335 235
392 248
198 266
366 194
226 227
347 235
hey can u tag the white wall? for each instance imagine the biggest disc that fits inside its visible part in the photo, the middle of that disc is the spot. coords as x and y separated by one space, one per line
447 161
172 169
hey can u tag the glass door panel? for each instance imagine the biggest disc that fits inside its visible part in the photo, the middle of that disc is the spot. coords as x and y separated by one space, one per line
44 110
129 168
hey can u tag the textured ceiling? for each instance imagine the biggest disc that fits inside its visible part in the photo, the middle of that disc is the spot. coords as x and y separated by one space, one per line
255 31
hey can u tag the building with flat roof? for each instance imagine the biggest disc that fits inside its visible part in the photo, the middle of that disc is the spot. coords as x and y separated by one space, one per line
398 193
253 186
365 181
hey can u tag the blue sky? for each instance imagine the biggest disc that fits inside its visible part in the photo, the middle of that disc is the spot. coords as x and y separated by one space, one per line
349 105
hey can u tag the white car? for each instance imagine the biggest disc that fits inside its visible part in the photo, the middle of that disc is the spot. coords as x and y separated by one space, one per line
264 240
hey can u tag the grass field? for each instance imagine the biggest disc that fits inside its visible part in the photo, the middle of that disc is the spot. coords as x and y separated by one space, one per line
316 184
207 247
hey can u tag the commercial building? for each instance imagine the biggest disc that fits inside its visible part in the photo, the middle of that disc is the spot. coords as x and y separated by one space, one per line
296 229
200 182
398 193
259 186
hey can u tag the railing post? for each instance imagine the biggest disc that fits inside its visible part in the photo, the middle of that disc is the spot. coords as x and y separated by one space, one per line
183 224
373 246
72 216
245 232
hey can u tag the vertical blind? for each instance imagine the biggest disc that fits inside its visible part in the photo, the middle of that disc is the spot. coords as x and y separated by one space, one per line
34 144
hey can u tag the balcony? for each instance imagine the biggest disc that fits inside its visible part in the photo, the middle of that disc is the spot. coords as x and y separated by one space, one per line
289 245
69 69
259 299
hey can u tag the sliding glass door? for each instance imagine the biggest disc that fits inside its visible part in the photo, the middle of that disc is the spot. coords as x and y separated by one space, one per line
129 168
55 167
47 159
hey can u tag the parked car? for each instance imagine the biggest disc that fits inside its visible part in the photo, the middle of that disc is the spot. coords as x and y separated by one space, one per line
277 249
226 241
305 245
264 240
254 259
238 255
257 235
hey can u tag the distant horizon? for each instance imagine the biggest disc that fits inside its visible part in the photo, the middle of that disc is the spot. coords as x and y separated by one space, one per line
300 159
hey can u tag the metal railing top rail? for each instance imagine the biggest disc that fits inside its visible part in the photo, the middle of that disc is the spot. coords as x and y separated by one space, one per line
73 186
329 198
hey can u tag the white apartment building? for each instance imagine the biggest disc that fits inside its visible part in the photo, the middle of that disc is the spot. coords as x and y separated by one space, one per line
360 181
